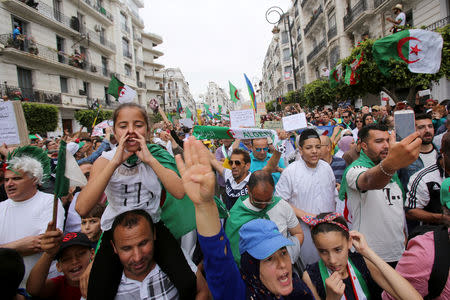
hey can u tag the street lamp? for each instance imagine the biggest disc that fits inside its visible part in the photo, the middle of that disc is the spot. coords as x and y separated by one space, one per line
285 16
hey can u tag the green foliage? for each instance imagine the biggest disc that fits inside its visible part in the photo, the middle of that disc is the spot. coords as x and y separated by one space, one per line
318 93
40 118
269 106
86 117
155 118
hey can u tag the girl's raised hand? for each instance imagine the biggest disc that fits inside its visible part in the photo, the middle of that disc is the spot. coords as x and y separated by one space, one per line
143 153
121 153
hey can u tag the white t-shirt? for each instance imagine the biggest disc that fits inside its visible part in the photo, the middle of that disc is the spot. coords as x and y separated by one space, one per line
379 215
130 188
402 17
311 190
28 218
429 158
73 220
233 189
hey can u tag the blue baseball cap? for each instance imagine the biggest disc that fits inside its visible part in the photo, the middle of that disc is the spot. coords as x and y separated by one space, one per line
261 238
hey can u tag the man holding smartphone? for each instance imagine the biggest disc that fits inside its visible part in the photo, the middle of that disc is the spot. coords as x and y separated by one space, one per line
373 190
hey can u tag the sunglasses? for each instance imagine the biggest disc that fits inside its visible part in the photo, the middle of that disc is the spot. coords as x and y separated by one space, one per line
259 202
235 162
358 121
265 149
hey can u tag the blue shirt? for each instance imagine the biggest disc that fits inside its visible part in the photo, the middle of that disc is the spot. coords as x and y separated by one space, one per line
338 165
16 32
257 164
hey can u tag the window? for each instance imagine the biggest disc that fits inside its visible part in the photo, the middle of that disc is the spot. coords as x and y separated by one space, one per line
127 68
332 19
284 37
64 85
124 22
290 87
60 47
104 66
126 48
286 54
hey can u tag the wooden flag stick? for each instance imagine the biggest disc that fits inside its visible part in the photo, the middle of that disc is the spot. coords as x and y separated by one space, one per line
55 211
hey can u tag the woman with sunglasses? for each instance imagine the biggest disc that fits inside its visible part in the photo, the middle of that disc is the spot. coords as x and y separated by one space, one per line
359 125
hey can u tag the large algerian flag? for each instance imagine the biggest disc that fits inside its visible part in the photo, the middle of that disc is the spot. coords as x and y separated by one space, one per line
351 75
68 173
122 92
336 76
234 93
420 49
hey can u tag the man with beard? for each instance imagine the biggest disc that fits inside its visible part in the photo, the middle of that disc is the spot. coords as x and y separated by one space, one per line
374 192
428 152
423 199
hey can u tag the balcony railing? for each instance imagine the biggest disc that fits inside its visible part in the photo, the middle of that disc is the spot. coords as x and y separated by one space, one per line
136 15
137 37
127 53
125 27
29 94
354 12
98 38
438 24
100 9
303 3
332 32
313 19
139 62
30 47
377 3
316 50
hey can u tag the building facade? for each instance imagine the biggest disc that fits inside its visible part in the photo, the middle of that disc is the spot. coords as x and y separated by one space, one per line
175 88
68 50
215 96
323 32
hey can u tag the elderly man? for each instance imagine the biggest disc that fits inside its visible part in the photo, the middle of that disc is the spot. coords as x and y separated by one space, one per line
133 239
25 214
374 192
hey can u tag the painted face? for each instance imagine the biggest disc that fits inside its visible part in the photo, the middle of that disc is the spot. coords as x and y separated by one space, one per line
275 273
91 228
333 250
73 262
310 152
239 168
135 248
426 130
20 186
130 121
377 145
260 148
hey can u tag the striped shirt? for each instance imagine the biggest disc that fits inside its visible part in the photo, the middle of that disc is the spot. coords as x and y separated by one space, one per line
424 189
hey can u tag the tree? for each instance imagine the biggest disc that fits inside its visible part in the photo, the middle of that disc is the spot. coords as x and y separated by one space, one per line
371 80
36 113
86 117
155 118
318 93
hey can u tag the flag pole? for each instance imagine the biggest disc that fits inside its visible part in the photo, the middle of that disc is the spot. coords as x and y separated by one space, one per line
55 211
98 112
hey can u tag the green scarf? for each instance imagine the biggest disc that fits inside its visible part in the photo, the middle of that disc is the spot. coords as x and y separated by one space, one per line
240 215
366 162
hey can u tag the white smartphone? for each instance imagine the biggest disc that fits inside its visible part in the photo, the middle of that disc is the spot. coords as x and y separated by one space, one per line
405 123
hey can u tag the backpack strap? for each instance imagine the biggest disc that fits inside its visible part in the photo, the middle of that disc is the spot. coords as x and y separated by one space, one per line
441 264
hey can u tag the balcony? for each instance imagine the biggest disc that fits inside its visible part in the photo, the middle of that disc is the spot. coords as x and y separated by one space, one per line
139 63
316 50
300 63
135 17
34 53
314 17
141 85
303 3
100 40
30 94
377 3
125 27
96 11
126 53
332 32
438 24
354 13
137 37
45 15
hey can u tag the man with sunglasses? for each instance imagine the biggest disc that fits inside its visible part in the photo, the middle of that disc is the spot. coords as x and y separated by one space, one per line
347 120
260 157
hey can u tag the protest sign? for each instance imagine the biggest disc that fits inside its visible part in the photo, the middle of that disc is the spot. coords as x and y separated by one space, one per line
273 125
13 127
187 123
242 118
294 122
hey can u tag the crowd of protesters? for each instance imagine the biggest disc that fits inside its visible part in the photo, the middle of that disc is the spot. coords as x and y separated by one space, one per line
339 210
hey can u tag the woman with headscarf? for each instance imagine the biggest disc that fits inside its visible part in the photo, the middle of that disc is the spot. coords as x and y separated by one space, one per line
344 144
266 268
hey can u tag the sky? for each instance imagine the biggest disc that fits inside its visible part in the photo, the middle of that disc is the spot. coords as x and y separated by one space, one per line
213 40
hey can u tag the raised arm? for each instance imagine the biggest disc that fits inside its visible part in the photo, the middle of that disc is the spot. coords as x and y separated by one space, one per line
217 165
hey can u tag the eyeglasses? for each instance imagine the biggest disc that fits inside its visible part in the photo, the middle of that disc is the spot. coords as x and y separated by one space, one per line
235 162
265 149
358 121
259 202
346 117
348 134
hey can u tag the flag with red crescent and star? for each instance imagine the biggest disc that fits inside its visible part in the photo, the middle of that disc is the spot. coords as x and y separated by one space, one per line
420 49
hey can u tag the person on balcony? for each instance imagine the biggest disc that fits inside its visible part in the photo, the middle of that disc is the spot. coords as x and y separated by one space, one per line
400 18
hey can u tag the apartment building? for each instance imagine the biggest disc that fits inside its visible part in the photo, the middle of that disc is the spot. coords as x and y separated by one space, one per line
68 50
176 88
324 31
215 96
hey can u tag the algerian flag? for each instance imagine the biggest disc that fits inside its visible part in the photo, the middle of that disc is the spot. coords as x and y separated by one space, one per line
351 76
207 110
420 49
68 173
188 113
234 93
336 76
122 92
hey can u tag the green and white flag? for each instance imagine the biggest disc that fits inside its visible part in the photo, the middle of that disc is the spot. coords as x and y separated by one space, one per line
218 132
234 93
122 92
68 173
420 49
188 113
336 76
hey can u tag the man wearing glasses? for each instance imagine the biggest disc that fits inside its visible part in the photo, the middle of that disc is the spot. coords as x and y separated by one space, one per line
260 157
347 121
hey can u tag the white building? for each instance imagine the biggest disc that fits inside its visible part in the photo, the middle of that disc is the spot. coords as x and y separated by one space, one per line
176 88
70 50
215 96
325 31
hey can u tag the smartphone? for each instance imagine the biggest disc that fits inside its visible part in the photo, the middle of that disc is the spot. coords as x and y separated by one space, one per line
404 123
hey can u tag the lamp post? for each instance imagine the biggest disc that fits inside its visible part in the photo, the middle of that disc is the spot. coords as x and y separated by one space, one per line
285 16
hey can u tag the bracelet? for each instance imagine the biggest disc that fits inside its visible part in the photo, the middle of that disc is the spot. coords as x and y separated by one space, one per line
384 172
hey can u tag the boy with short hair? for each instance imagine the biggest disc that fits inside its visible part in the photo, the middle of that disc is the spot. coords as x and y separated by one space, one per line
73 253
90 224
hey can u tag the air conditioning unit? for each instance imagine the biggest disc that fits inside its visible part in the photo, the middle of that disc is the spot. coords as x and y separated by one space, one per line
98 28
